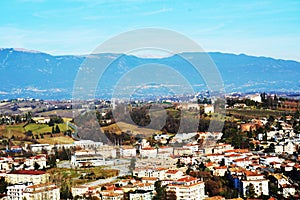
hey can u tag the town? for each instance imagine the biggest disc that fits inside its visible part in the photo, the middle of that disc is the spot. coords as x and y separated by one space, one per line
46 154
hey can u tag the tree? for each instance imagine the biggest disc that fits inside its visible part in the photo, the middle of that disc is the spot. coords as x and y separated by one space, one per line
36 166
132 164
212 187
160 191
65 191
57 130
171 195
250 191
51 161
3 185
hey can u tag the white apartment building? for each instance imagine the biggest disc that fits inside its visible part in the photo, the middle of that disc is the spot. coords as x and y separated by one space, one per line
260 184
33 192
187 188
15 192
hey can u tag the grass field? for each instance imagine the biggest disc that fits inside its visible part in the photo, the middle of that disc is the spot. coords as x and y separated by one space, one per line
12 130
43 128
7 131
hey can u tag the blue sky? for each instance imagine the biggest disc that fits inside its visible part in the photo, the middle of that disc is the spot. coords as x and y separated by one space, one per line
257 27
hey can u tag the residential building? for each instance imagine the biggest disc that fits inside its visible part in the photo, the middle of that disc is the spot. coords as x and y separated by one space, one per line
42 191
148 152
141 195
15 192
261 185
25 176
187 188
127 151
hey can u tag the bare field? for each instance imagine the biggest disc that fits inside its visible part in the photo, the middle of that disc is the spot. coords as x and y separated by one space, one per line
120 127
61 113
56 140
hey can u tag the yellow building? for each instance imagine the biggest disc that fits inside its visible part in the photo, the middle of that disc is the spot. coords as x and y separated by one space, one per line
25 176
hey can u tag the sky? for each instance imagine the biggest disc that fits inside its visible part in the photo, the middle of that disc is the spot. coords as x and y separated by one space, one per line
268 28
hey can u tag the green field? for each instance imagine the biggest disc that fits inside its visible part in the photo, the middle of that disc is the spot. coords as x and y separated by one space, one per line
43 128
18 131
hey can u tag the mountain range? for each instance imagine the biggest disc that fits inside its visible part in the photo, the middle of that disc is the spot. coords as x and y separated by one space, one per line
34 74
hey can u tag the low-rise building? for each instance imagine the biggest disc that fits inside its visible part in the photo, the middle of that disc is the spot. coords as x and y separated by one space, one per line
42 191
15 192
148 152
26 176
127 151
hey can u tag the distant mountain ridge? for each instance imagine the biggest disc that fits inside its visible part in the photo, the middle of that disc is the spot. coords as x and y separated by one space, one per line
26 73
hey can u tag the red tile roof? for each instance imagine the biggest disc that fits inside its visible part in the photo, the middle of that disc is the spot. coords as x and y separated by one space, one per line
27 172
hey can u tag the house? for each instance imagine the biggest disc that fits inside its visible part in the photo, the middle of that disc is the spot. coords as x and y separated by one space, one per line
41 120
148 152
242 162
266 160
255 97
288 190
41 160
219 171
39 147
150 172
127 151
193 147
141 195
182 151
173 174
289 147
208 108
111 195
5 164
222 147
79 190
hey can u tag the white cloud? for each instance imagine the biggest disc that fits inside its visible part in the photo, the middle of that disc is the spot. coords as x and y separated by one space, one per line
154 12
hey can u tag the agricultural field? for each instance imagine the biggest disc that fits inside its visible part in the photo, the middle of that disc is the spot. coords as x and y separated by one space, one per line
254 113
44 128
120 127
18 132
59 112
8 131
56 139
